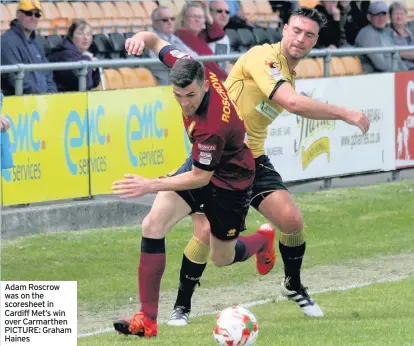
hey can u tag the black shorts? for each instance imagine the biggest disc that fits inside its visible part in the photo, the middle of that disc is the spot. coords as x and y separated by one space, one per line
187 166
225 210
266 181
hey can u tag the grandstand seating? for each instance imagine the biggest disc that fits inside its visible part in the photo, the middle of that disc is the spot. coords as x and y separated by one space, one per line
114 22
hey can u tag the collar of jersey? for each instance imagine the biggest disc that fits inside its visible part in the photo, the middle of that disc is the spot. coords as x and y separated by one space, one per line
284 61
202 109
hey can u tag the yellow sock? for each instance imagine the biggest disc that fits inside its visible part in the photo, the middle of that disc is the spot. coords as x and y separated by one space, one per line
196 251
292 240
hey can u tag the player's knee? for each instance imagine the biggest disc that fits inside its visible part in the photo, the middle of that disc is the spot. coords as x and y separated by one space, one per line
202 232
222 259
292 221
151 228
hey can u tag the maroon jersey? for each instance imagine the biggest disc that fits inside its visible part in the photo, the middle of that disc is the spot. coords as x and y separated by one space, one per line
217 133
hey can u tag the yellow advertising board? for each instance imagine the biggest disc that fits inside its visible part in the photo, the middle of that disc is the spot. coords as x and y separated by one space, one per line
138 131
48 138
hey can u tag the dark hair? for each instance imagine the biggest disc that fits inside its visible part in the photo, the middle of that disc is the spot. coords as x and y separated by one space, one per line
76 24
185 71
312 14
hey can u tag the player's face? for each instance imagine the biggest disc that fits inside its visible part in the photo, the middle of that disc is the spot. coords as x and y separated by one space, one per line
299 36
190 97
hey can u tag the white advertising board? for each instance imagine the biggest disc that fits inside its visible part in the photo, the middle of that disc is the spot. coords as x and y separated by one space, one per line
301 148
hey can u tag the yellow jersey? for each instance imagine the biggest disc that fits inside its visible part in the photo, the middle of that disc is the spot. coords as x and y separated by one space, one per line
252 83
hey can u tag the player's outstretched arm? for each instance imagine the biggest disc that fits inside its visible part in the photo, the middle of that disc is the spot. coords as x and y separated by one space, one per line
307 107
134 186
144 39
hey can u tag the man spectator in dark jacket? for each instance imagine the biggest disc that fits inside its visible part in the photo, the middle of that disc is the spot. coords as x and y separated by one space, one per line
19 45
330 35
353 19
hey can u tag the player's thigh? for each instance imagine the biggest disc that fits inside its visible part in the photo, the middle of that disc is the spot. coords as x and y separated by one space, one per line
272 199
279 208
226 212
201 227
168 208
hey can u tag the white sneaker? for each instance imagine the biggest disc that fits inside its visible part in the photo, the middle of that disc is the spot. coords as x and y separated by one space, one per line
179 316
303 299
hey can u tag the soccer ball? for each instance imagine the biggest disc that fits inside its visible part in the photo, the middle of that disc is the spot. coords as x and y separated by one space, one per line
236 326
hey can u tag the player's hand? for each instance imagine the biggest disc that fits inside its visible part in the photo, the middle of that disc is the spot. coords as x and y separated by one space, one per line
359 119
4 124
131 187
135 45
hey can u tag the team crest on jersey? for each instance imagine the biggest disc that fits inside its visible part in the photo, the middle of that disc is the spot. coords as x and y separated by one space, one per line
274 64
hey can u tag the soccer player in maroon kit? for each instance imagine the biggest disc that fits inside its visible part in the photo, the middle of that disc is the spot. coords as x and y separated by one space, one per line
220 179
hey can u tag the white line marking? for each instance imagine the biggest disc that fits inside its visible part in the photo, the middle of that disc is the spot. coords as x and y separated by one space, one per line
270 300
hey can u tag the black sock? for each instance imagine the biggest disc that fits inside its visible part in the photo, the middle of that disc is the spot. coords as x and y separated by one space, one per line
240 252
292 258
190 275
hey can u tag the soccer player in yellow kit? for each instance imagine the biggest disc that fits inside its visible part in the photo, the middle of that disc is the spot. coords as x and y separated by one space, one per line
262 85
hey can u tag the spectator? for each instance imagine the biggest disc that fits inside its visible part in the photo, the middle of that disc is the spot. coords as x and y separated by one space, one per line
163 23
234 7
238 19
330 34
353 19
19 45
75 48
402 35
285 8
221 15
376 34
197 30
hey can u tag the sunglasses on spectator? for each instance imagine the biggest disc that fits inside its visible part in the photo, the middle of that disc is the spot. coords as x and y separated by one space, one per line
165 20
221 11
31 14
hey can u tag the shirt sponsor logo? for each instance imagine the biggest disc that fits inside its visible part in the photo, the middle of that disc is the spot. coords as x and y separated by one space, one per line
267 110
207 147
225 99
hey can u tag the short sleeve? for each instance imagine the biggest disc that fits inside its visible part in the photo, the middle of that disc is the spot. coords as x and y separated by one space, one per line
169 55
207 151
267 73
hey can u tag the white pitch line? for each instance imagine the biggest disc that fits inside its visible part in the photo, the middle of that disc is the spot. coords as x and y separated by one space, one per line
270 300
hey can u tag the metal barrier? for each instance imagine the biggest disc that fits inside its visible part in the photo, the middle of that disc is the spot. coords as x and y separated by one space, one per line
82 66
